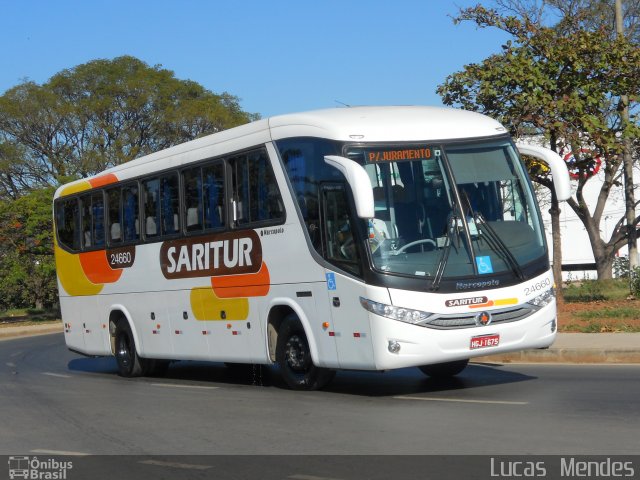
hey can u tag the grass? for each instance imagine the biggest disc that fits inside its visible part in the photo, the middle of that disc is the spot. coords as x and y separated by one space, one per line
599 327
31 315
610 312
596 290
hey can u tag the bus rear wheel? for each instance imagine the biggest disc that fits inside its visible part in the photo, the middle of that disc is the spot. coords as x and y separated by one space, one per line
444 370
294 358
129 363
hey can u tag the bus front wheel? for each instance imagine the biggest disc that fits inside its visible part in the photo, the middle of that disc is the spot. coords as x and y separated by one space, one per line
129 363
444 370
294 358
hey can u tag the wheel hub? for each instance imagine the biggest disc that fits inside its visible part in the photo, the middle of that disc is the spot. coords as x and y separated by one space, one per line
296 353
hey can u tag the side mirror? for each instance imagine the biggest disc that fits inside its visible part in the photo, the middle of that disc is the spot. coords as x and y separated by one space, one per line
358 180
561 183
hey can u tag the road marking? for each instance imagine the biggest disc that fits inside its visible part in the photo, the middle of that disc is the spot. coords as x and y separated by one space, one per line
461 400
10 364
185 466
15 354
309 477
59 375
176 385
60 452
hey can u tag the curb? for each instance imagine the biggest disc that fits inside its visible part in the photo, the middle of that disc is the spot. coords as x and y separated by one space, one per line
29 331
565 355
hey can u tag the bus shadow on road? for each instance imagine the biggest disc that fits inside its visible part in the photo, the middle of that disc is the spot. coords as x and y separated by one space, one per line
188 371
408 381
403 381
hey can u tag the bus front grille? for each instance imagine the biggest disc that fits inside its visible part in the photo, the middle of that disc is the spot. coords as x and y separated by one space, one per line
467 320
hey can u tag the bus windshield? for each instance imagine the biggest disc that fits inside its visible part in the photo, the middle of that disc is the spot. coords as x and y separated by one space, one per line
446 211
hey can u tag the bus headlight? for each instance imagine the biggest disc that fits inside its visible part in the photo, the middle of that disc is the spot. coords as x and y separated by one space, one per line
543 299
406 315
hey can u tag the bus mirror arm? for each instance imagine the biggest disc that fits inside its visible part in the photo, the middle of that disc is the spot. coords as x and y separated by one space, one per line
358 180
561 183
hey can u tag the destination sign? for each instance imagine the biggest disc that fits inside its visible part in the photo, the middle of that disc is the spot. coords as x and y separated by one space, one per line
398 154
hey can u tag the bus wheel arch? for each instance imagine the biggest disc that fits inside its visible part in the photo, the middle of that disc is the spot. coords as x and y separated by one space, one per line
293 356
279 310
125 345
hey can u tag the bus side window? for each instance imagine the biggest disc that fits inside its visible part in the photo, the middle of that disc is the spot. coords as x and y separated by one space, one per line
97 215
151 199
214 194
130 213
170 204
87 221
68 223
192 182
255 189
338 227
114 220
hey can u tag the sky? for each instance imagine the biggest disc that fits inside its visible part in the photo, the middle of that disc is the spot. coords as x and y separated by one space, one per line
277 56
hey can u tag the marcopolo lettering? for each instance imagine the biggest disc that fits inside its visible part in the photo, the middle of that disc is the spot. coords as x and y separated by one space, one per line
223 254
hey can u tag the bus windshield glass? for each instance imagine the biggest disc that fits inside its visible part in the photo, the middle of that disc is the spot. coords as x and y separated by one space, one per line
450 211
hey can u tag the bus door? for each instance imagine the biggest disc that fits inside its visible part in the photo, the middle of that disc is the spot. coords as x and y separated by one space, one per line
350 322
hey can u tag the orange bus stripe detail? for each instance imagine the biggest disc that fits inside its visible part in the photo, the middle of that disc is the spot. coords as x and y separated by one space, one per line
245 285
97 269
482 305
103 180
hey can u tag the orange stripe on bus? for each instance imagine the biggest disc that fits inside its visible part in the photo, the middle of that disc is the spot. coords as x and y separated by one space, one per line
245 285
103 180
97 269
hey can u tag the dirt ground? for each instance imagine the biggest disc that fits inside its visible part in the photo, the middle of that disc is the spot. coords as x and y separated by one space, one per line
602 316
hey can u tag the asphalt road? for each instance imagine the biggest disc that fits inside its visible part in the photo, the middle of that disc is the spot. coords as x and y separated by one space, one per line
54 401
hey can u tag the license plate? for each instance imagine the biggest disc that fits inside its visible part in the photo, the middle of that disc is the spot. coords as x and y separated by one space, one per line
484 341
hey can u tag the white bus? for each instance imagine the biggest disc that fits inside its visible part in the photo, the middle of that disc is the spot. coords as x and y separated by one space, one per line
368 238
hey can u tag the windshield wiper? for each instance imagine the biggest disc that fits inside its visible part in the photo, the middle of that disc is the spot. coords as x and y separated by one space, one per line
497 245
444 257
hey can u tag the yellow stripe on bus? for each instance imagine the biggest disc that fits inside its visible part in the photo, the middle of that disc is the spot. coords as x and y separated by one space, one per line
207 306
72 276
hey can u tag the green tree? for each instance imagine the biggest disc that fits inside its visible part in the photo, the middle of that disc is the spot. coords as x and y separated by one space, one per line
27 267
82 121
563 82
103 113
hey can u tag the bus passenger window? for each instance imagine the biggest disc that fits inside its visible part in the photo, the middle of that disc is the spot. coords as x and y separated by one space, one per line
255 189
213 190
169 204
130 213
87 221
193 199
97 215
151 199
114 220
68 223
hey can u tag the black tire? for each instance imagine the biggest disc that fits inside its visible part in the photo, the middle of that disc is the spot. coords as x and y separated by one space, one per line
444 370
129 363
294 358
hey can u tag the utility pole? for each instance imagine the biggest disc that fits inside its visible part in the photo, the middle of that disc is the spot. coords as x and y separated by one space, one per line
627 161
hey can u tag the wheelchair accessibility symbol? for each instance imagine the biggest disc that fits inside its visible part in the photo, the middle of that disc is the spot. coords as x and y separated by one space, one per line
484 265
331 281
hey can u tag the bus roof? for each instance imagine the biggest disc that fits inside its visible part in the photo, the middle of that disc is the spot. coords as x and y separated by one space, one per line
385 124
360 124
